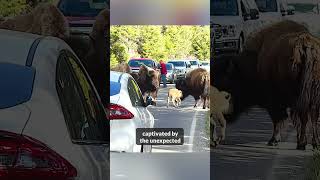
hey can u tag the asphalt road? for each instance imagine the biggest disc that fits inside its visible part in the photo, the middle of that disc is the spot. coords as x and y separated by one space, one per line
245 155
192 120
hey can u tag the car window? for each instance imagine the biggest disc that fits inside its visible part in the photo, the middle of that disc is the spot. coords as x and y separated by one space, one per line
267 5
83 8
16 84
85 118
135 93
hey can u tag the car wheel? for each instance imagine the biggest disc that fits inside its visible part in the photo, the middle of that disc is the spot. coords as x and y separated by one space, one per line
241 44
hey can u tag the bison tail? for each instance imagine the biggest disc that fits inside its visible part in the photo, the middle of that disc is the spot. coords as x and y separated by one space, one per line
307 61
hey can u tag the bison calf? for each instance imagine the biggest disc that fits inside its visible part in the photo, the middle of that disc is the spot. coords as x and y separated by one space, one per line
220 105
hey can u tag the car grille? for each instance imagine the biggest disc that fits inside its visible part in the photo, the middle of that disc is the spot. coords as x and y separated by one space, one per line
217 29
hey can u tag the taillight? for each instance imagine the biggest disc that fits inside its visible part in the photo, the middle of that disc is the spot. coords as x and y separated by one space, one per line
119 112
24 158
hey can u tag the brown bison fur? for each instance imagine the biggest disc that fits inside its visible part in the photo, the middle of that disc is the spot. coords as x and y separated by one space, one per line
45 19
197 84
277 70
148 81
122 67
93 51
220 105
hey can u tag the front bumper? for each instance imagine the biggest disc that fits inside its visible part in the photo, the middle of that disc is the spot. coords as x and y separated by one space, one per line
228 46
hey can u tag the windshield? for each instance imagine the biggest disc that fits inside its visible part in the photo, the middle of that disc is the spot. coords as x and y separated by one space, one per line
80 8
267 5
224 8
178 63
169 66
193 63
205 64
138 63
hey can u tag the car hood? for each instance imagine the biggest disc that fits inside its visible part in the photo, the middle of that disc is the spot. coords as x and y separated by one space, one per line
159 166
177 67
225 20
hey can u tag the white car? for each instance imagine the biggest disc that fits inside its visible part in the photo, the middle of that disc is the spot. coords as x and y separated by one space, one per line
231 22
205 65
128 111
52 122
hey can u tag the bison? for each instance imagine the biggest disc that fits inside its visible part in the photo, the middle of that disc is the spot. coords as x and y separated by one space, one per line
44 19
197 84
278 69
220 105
147 78
94 53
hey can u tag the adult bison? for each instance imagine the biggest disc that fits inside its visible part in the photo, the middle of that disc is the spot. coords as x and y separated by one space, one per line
197 84
278 69
93 51
147 78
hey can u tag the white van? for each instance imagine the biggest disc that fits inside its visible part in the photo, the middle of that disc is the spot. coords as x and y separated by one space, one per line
231 22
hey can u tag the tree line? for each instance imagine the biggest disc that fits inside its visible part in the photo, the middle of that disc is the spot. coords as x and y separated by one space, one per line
159 42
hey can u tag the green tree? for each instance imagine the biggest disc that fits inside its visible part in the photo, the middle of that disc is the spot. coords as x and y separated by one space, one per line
201 42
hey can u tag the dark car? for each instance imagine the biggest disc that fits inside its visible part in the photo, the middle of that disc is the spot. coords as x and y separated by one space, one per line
81 13
135 64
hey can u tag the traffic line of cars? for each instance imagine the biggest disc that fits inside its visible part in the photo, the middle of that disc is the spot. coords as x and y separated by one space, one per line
176 69
232 21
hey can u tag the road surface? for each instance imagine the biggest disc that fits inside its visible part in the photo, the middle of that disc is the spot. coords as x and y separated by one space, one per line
192 120
245 155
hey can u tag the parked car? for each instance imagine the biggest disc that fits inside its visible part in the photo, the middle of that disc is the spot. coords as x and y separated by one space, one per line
171 73
270 11
52 122
81 14
205 65
182 67
135 64
194 64
128 111
231 22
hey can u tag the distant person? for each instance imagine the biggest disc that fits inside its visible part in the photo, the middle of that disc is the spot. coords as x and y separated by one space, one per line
163 70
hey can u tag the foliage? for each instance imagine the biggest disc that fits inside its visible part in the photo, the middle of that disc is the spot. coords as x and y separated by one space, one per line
9 8
159 42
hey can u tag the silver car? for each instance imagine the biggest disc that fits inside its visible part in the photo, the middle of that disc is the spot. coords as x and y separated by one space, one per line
52 122
182 67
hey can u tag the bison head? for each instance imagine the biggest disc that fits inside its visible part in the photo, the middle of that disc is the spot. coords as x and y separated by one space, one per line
181 84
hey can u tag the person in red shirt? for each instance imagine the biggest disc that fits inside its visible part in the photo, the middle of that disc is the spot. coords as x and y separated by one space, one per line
163 70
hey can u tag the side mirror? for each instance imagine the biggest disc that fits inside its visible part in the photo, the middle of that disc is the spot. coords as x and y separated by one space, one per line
189 65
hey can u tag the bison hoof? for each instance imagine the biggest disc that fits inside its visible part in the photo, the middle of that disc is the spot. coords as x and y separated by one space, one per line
301 147
214 143
273 142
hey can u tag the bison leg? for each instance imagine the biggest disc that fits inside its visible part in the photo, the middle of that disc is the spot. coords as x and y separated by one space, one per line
197 100
223 124
277 116
204 103
213 135
302 138
315 136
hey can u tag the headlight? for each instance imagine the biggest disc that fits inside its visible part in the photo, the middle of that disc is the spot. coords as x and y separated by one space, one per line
225 31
